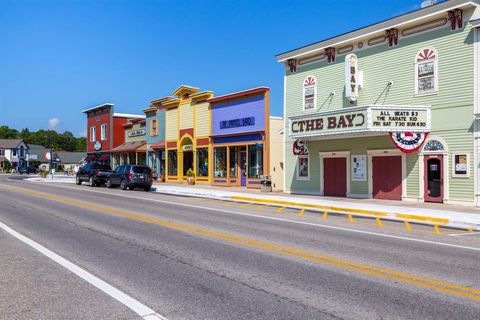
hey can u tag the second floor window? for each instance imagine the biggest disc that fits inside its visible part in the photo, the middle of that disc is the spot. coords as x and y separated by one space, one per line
14 152
104 131
309 93
426 71
2 152
93 134
153 127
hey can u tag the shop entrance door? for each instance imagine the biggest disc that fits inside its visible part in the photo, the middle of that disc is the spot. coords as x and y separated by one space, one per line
335 177
433 178
187 161
387 177
243 168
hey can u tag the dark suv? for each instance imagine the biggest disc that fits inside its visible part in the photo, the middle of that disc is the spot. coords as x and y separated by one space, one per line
95 173
131 176
27 170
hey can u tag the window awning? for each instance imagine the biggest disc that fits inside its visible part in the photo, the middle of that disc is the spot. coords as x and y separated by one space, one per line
135 146
156 145
360 121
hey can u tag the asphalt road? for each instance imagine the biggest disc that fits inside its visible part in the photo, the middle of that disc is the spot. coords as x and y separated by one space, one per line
197 259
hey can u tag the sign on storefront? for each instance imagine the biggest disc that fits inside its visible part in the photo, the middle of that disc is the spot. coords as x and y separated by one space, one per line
235 123
361 120
136 133
398 119
300 148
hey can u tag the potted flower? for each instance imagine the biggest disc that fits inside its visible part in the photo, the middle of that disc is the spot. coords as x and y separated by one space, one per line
190 177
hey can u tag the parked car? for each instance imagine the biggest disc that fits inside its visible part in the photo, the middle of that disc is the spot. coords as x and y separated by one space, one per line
95 173
27 170
130 176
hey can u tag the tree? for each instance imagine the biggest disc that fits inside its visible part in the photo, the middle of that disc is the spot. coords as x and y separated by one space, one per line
7 133
61 142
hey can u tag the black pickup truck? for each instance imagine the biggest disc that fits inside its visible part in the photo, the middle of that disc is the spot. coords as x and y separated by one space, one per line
95 173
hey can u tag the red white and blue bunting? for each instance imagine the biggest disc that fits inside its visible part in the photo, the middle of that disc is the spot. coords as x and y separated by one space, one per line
408 142
300 148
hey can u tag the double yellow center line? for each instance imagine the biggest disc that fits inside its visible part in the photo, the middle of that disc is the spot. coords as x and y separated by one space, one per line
433 284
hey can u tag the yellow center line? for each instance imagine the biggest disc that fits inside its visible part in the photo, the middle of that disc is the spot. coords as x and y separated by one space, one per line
259 244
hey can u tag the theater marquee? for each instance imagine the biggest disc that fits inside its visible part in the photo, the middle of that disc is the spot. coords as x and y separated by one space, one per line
361 120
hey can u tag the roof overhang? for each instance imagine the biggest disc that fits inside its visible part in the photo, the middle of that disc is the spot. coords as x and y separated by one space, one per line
127 115
180 91
396 22
240 94
204 95
100 106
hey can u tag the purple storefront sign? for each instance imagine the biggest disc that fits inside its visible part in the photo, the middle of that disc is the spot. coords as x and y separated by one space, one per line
239 116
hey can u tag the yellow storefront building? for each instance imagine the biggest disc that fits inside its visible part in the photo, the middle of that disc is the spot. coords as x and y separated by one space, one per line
187 130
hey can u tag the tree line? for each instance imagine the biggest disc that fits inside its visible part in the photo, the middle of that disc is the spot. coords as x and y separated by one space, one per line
65 141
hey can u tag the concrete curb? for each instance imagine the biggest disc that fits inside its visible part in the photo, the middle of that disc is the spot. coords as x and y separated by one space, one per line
402 217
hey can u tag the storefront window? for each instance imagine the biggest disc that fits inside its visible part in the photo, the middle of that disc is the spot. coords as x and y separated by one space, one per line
255 161
220 159
172 162
233 161
202 162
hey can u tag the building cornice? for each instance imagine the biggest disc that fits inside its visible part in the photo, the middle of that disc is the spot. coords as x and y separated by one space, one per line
395 22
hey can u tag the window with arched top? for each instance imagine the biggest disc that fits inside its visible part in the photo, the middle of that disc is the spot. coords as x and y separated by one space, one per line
309 93
426 71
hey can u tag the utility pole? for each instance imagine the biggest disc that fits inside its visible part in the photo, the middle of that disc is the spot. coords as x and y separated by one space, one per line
50 160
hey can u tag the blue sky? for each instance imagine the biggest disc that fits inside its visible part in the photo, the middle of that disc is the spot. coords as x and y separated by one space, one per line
60 57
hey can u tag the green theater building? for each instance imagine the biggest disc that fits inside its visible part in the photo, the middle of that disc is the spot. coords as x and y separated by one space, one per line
388 111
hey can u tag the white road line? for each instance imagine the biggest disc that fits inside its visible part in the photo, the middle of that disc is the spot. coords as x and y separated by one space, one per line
277 219
137 307
464 234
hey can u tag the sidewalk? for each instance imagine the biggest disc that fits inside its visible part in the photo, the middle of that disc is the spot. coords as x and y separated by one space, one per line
437 214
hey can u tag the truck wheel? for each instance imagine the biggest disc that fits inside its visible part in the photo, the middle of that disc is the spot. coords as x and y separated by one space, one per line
147 188
108 184
123 185
91 182
78 181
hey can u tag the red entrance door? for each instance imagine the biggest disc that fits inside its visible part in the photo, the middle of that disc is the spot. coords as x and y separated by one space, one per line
387 178
433 178
335 177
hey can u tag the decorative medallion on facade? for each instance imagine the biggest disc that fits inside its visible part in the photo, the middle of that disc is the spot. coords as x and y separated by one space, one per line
456 19
392 36
351 77
97 146
408 142
309 93
330 53
433 145
426 54
292 64
300 148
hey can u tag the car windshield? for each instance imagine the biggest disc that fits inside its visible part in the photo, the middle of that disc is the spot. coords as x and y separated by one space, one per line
139 169
101 166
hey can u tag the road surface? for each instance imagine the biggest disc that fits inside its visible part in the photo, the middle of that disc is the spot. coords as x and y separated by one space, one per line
187 258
